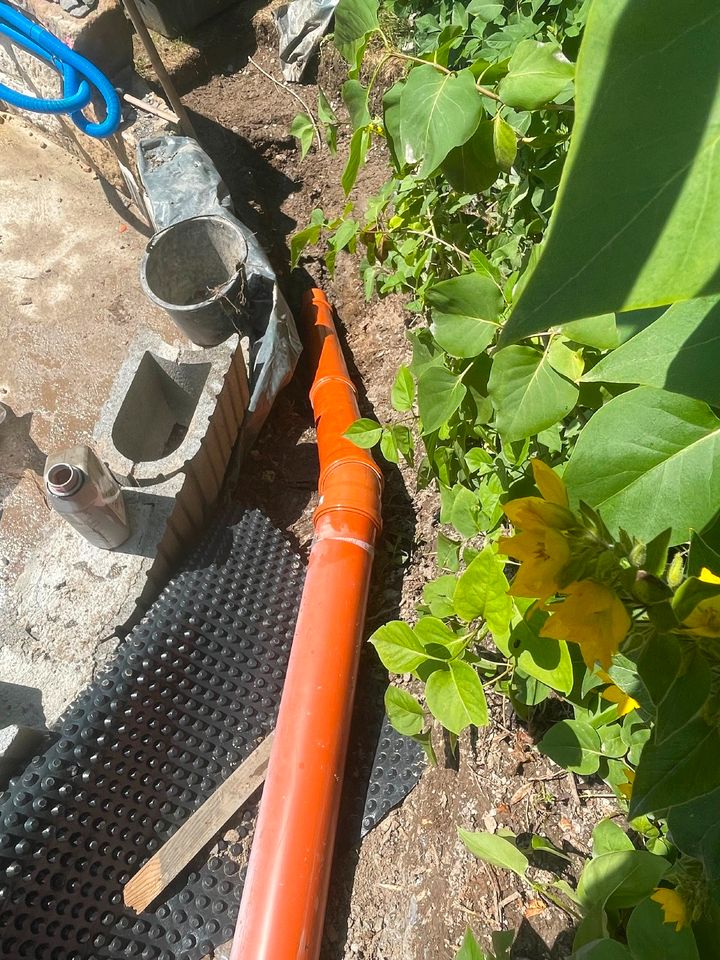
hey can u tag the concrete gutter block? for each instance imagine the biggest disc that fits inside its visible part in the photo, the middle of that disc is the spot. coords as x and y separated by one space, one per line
168 428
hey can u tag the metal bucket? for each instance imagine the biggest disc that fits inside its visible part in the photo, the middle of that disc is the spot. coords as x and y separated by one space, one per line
194 269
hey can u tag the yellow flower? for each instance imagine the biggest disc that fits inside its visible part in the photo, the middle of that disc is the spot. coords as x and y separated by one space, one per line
592 616
613 694
673 906
549 483
533 513
542 553
705 618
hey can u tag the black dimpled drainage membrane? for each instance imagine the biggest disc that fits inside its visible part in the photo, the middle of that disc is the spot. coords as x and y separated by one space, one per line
191 692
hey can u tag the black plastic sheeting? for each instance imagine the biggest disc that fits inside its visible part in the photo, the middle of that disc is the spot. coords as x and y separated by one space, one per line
193 689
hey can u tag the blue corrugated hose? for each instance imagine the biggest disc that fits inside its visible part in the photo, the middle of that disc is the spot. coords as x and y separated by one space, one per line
78 75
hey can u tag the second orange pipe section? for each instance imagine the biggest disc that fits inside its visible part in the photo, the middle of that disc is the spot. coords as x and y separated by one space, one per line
283 905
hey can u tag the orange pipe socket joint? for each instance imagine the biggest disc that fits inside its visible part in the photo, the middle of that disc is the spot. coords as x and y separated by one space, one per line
283 904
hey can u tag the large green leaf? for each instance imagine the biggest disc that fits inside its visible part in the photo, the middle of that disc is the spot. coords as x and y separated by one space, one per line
683 767
455 696
527 393
647 458
637 219
620 879
354 20
537 73
495 850
695 830
439 111
465 313
440 393
650 938
680 352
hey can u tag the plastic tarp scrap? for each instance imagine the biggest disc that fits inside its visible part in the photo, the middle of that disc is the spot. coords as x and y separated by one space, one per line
180 181
301 25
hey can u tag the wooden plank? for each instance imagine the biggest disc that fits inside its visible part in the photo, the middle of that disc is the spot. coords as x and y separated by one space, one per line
162 868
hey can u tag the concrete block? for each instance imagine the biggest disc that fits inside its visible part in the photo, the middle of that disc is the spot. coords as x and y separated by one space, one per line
167 430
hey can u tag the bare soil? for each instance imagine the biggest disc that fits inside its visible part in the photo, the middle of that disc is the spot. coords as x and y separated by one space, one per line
410 889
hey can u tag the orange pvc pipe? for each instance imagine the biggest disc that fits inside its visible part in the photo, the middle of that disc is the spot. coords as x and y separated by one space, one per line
283 905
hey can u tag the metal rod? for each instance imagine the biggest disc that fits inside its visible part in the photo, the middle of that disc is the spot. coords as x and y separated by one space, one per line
159 67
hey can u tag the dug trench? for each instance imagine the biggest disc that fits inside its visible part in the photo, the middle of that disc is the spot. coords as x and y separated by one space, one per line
409 889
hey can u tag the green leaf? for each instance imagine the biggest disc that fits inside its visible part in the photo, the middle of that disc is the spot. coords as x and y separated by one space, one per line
680 352
540 844
398 648
608 837
308 236
648 457
472 167
403 389
455 696
537 73
440 393
465 313
695 830
438 595
359 145
364 433
355 97
470 948
702 554
565 361
527 394
391 121
485 10
545 659
495 850
599 332
447 553
504 143
620 879
325 111
403 711
302 128
431 631
574 745
625 233
650 938
482 592
354 20
438 111
683 767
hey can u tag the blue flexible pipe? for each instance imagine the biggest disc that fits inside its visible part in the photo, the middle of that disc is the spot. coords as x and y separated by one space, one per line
78 75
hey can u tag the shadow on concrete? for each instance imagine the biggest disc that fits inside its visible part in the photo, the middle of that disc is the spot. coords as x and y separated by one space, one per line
18 453
21 705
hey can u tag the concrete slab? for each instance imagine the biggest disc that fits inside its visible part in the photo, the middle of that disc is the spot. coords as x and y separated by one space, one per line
70 304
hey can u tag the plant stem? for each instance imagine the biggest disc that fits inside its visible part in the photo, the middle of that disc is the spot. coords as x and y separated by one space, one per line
436 239
286 88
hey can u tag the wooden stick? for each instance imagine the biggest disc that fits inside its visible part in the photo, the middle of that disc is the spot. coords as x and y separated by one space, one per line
162 868
151 108
159 67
